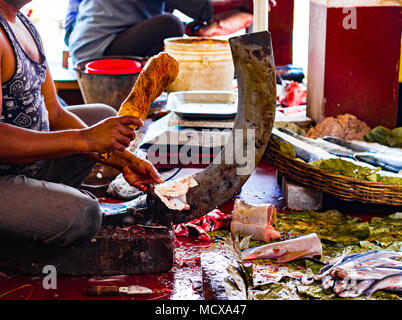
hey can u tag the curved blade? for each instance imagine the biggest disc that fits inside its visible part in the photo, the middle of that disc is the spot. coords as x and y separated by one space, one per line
255 73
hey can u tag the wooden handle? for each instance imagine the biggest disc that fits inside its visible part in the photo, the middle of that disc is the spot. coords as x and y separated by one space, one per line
98 291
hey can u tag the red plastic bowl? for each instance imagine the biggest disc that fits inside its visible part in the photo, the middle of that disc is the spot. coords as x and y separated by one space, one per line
113 66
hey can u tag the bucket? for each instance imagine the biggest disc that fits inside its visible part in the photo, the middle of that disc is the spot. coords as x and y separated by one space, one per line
113 66
109 86
204 64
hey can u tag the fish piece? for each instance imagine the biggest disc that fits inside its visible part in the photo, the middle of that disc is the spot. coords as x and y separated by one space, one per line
386 162
366 273
173 193
357 290
256 231
325 145
255 221
307 246
391 283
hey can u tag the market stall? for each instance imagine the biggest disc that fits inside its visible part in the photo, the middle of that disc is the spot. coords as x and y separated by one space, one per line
259 201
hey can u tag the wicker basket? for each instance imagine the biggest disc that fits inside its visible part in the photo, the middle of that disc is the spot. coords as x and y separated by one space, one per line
345 188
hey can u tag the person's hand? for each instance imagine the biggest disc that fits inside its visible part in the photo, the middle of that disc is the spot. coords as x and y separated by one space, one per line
225 23
141 174
111 134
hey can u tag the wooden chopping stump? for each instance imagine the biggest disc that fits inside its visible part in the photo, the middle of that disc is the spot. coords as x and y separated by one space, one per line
115 250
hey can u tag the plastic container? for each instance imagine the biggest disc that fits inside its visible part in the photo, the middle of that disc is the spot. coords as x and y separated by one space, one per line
113 66
204 64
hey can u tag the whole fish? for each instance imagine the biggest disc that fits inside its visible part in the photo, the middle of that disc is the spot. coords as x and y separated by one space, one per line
325 145
362 146
356 258
391 283
303 150
366 273
324 271
379 262
256 221
350 145
373 263
379 148
386 162
302 247
356 290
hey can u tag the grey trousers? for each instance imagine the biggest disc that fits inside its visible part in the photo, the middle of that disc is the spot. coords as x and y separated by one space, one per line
49 208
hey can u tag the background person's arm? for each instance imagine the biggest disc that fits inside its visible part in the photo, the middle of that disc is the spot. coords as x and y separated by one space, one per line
199 10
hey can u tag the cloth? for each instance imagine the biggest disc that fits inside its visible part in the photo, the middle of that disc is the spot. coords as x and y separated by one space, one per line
23 103
71 16
146 38
99 22
47 207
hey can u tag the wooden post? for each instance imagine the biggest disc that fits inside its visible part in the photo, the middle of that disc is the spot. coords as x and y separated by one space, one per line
260 21
354 52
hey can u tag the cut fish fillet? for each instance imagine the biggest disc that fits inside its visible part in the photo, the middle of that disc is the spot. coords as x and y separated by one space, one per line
302 247
255 221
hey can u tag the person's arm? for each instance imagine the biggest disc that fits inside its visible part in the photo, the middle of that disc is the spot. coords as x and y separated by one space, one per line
138 172
70 135
199 10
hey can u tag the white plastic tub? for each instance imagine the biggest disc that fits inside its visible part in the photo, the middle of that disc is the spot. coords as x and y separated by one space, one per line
204 64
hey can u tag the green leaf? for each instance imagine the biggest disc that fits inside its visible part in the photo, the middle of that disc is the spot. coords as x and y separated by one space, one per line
385 136
245 243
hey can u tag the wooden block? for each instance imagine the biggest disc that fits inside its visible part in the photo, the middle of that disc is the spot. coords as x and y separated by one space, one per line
147 250
354 52
214 267
298 197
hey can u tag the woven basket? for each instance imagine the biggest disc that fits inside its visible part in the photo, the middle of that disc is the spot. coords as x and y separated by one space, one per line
345 188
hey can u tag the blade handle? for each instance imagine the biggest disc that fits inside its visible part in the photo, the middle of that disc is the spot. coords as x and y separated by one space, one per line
101 291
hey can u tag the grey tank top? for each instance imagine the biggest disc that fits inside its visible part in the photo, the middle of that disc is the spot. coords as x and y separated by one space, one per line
23 103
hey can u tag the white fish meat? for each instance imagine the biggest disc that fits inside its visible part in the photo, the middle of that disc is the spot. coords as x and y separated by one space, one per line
302 247
255 221
173 193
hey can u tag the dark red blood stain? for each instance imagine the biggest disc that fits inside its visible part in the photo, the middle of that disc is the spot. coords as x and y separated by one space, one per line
164 285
